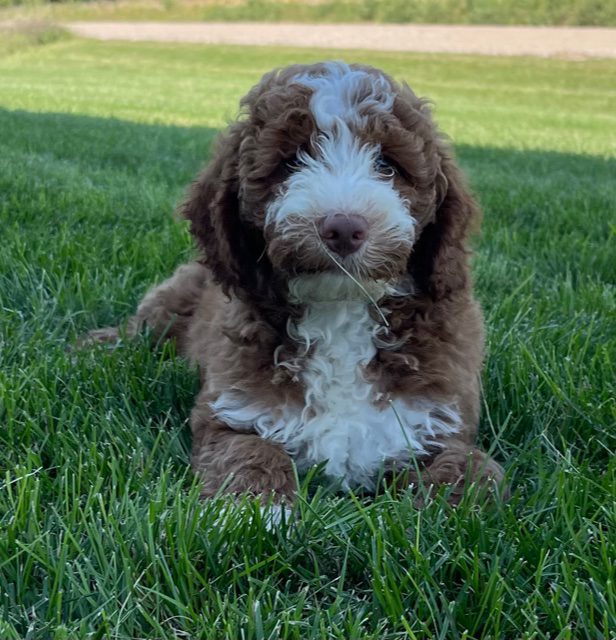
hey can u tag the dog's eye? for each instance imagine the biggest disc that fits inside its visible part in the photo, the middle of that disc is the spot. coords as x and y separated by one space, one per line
292 165
298 161
384 167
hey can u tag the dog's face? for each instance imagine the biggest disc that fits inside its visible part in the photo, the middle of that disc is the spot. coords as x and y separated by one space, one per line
331 167
339 206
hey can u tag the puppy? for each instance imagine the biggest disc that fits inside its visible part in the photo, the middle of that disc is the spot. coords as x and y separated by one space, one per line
331 312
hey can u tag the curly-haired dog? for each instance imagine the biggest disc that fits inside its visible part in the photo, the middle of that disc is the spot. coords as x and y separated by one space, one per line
331 314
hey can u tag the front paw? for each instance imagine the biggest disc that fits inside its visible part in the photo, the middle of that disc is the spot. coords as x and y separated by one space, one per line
246 465
275 483
457 470
106 335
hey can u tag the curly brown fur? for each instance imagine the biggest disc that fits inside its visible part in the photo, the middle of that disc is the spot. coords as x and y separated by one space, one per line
245 312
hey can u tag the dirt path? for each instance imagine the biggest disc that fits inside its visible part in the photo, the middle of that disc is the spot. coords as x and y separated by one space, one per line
567 42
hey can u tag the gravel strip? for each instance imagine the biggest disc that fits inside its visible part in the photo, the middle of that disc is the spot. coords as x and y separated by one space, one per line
564 42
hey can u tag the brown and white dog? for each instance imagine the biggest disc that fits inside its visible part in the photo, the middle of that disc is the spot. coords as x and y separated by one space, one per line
331 315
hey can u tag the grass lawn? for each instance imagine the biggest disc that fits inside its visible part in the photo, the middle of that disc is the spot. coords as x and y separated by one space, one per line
101 531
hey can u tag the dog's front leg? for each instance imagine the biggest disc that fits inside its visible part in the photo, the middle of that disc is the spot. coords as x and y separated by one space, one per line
456 467
233 462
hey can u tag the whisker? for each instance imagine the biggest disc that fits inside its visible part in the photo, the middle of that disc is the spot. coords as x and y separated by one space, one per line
262 254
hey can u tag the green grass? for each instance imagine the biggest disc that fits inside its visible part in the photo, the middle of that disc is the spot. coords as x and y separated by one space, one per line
101 531
533 12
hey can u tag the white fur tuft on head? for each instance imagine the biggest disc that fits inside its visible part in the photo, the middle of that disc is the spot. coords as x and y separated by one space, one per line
342 94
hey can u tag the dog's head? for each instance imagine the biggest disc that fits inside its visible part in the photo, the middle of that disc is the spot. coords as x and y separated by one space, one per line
331 167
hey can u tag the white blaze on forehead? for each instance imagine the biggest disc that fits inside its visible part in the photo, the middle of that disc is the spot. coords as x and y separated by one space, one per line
342 178
341 93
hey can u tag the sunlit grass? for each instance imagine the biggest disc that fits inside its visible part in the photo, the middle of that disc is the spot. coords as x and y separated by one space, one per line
101 530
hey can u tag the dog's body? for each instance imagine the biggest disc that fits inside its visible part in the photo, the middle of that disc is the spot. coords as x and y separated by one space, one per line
332 315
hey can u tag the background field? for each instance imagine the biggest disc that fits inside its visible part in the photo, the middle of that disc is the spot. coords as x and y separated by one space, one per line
533 12
101 532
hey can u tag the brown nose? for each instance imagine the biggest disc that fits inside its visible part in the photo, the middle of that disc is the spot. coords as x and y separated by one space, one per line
343 233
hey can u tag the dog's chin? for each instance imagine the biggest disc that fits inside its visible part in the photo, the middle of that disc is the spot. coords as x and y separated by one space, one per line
329 286
341 278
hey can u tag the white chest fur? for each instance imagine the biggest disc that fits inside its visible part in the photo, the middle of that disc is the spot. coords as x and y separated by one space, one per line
339 423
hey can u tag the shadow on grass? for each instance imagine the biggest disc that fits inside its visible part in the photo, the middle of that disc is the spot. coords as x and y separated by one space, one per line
156 151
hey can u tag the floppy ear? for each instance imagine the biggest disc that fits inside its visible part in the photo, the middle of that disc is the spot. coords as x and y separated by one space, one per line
439 262
232 247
